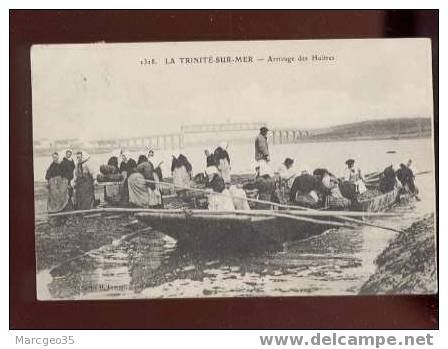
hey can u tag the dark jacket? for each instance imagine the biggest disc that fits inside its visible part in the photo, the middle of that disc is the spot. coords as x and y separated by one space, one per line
67 168
146 168
179 162
305 183
215 182
387 180
211 160
406 177
261 148
221 154
126 166
53 171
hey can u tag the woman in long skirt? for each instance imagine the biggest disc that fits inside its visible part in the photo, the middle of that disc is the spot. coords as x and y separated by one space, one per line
181 170
84 185
146 168
223 161
59 198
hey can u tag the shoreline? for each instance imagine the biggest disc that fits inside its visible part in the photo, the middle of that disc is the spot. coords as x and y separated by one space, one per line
408 264
317 139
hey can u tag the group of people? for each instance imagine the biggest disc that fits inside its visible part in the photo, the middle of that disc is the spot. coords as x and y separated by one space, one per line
71 183
320 187
139 179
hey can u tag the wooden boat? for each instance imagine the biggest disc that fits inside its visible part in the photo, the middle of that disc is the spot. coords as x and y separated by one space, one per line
378 203
239 229
229 229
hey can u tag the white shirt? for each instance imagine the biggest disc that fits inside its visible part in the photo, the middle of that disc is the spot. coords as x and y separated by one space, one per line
287 174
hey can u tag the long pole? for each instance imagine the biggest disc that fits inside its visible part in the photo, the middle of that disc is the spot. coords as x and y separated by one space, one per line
285 214
305 211
344 216
311 213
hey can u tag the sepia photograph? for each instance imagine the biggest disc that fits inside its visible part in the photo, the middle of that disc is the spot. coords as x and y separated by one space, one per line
234 169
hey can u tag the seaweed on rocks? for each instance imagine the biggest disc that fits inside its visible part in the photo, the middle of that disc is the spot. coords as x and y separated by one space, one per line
408 264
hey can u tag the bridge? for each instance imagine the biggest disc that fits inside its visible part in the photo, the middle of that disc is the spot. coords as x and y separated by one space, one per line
177 140
164 141
287 135
228 127
276 135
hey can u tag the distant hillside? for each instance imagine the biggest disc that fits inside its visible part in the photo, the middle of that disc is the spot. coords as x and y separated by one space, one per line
376 129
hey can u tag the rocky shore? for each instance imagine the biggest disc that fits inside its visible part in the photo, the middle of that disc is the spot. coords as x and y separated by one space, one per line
408 264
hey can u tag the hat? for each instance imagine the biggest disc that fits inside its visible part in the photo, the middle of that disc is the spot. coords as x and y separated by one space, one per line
350 161
224 145
288 161
264 129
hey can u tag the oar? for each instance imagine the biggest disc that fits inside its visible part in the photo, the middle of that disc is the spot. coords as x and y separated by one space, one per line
283 206
422 173
302 215
312 213
306 211
317 212
114 243
256 213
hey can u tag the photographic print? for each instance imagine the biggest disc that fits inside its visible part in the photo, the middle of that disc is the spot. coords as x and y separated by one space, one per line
233 169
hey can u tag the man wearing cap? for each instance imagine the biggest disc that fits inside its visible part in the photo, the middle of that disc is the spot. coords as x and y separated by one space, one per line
261 145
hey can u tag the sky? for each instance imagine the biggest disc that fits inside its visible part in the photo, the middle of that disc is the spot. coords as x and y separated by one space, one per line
102 91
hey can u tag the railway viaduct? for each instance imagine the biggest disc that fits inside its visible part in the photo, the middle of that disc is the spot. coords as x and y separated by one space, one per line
176 140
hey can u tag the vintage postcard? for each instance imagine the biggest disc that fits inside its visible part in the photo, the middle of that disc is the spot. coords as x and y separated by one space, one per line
234 169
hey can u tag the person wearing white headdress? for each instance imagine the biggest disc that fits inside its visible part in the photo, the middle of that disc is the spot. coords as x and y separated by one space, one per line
209 158
222 159
287 172
181 170
219 198
124 168
354 175
155 195
157 163
210 163
84 183
146 168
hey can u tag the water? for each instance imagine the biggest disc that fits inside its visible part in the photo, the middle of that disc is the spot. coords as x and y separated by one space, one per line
369 155
337 262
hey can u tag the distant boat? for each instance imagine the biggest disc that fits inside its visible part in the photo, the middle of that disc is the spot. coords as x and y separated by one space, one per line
390 152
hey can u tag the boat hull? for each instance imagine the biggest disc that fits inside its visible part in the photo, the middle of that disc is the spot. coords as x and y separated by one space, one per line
229 230
378 203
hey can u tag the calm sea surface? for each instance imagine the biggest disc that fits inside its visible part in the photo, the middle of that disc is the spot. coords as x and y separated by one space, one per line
337 262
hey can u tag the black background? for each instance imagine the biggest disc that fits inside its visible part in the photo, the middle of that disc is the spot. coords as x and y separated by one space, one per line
78 26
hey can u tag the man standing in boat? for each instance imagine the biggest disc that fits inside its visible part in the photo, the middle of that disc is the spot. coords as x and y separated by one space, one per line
261 147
